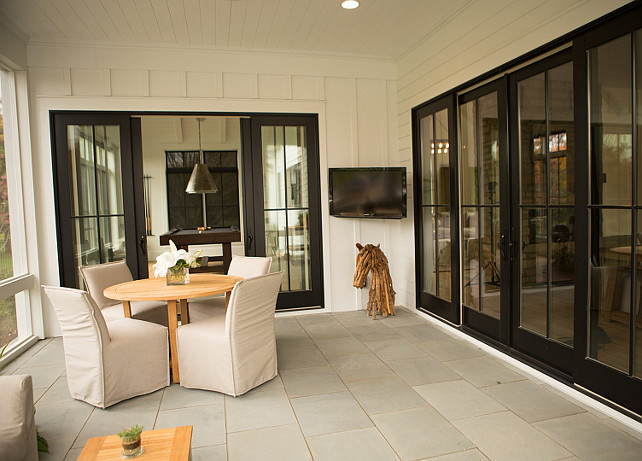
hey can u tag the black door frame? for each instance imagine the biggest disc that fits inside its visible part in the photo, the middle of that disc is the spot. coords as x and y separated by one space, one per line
253 193
131 166
496 329
546 351
448 310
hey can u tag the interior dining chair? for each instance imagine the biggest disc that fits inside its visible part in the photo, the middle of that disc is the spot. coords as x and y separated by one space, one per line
241 266
108 362
101 276
243 340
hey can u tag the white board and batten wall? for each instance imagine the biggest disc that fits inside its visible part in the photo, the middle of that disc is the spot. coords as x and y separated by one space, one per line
354 97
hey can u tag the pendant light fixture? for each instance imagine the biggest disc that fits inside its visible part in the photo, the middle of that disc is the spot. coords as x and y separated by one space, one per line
201 181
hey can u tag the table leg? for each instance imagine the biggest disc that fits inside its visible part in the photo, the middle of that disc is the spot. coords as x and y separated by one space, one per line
173 325
127 307
184 312
228 295
227 255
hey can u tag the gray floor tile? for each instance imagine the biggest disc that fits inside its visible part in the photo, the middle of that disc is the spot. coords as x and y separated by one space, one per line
505 436
352 318
62 420
590 438
214 453
359 367
458 399
328 413
73 454
531 402
394 349
299 357
256 410
52 353
420 433
176 396
326 330
340 347
468 455
483 371
271 385
40 375
140 410
300 382
403 318
422 370
285 324
273 443
315 319
385 395
207 421
58 449
376 331
450 349
58 392
356 445
420 332
293 338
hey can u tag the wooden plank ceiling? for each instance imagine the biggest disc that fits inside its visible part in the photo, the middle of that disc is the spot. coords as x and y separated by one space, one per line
378 28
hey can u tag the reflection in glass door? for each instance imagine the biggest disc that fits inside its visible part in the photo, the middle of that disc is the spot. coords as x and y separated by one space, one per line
480 205
98 217
286 219
615 333
435 221
98 190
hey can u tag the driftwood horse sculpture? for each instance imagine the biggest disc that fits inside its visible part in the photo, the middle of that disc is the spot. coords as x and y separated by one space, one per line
381 296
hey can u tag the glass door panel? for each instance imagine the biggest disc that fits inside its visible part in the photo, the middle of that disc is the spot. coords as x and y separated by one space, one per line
98 223
438 265
546 213
480 204
283 192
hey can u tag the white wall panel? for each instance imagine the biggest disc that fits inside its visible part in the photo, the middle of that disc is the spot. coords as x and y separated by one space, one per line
129 82
48 81
274 86
202 85
166 83
87 82
307 87
238 85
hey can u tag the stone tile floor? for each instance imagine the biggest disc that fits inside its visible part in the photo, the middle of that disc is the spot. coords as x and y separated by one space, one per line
351 388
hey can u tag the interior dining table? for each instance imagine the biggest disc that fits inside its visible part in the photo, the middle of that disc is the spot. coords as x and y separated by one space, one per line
157 289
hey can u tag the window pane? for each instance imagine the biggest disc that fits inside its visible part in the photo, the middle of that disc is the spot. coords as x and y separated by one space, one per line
470 257
490 260
443 245
562 131
427 158
112 238
80 139
228 159
8 323
533 142
86 244
108 169
469 179
275 244
299 250
610 291
610 117
487 142
296 167
562 275
6 261
534 270
212 159
442 153
430 257
272 138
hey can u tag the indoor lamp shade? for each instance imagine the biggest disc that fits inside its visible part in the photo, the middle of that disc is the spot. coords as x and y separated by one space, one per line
201 181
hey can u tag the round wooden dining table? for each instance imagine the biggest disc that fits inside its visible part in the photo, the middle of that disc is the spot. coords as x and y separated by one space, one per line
156 289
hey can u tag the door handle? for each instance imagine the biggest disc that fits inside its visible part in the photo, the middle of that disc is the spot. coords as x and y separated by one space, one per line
249 240
142 243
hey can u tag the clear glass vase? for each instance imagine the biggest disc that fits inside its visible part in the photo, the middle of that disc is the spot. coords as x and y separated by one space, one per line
178 275
132 447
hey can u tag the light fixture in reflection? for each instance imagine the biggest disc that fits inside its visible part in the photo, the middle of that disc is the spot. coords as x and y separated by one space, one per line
350 4
201 181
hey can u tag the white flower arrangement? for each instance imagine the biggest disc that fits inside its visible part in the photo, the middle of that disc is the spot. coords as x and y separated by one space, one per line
175 258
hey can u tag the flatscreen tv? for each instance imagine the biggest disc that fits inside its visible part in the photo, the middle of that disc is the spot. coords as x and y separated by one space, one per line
368 192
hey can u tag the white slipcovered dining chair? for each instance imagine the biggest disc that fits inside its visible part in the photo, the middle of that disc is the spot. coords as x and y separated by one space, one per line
234 353
101 276
17 423
241 266
108 362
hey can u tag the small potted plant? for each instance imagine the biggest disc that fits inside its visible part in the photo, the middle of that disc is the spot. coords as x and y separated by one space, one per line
175 264
130 439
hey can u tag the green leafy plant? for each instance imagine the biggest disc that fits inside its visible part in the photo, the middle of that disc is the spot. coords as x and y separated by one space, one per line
1 354
133 431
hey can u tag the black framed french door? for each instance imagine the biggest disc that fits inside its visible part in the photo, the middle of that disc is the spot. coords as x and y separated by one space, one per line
283 202
436 217
98 185
609 330
543 172
484 209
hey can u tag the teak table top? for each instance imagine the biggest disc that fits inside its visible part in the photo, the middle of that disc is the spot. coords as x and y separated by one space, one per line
156 289
161 444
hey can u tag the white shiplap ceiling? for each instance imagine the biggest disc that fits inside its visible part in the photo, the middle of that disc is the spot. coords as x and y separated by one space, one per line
378 28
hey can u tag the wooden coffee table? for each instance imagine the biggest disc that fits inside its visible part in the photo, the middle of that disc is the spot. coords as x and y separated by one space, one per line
172 444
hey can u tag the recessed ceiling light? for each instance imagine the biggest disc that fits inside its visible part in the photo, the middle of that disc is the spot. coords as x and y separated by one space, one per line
350 4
